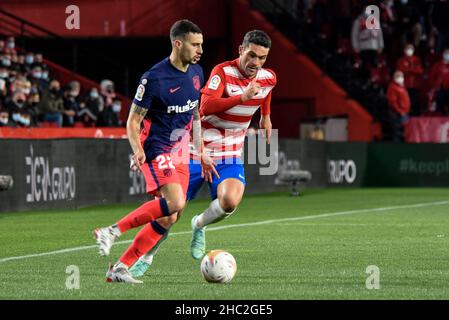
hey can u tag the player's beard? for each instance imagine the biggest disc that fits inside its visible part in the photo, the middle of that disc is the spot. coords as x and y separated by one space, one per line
251 72
195 59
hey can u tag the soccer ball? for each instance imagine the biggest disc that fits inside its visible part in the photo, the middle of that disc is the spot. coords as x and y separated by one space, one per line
218 266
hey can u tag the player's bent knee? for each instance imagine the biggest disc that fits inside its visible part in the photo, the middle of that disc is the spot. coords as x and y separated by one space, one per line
229 205
171 219
175 206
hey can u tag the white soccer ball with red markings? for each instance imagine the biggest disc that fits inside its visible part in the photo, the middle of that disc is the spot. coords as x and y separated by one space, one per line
218 266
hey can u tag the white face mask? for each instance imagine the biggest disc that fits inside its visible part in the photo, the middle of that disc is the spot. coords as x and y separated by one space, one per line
116 107
399 80
4 120
94 94
409 52
446 57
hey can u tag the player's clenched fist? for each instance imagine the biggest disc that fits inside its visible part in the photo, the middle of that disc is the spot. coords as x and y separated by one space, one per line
252 90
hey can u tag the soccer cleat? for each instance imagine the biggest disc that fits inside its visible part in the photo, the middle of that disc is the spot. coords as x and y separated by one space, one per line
105 238
198 244
120 274
139 268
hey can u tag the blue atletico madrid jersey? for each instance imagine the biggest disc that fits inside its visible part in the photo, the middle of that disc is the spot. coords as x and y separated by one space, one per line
169 95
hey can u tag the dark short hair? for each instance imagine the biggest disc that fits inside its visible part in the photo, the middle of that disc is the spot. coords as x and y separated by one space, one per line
258 37
183 27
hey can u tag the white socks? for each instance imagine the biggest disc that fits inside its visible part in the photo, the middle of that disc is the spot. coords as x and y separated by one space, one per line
120 264
148 258
212 214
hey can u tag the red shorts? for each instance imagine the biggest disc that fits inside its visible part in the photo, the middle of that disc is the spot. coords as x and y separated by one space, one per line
162 171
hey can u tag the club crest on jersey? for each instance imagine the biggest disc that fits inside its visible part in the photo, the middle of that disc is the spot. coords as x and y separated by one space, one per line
214 82
140 92
180 109
196 83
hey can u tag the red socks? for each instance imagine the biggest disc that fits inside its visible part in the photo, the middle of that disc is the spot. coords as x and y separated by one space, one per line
147 212
144 241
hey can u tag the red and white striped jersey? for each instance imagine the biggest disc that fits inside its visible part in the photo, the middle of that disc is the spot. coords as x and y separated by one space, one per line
224 132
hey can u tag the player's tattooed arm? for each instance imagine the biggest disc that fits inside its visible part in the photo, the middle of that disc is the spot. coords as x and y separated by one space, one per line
135 118
139 110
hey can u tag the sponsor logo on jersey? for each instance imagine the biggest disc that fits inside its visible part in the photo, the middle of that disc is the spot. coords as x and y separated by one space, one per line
167 172
140 92
214 82
196 83
180 109
173 90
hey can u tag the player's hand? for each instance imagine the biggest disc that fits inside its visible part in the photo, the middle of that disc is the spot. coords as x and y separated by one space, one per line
137 160
251 91
265 123
207 168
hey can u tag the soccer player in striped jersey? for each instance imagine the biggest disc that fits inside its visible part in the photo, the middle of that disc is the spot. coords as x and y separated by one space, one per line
235 91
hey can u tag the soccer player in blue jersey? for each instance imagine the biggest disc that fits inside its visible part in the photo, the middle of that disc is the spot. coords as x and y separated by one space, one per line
235 90
165 103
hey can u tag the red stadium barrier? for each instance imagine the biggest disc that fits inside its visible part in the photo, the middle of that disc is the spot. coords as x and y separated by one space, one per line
55 133
427 129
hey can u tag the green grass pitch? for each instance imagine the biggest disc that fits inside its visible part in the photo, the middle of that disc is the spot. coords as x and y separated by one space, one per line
317 246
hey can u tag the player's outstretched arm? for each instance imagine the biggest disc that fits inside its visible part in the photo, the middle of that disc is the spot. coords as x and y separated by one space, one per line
135 118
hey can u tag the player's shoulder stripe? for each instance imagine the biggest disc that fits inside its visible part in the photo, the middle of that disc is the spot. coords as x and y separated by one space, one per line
266 74
233 72
223 65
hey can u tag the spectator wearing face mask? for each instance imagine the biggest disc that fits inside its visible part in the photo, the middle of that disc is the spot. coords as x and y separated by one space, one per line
94 101
107 90
39 61
110 116
367 43
6 60
51 106
29 60
5 121
90 108
26 87
411 66
36 78
45 76
71 104
19 110
399 103
439 83
10 45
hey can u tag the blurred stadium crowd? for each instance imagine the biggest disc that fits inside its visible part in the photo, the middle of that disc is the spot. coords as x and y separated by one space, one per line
31 96
410 45
398 70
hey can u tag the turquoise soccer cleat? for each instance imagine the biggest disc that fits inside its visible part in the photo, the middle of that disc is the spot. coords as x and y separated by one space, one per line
139 268
198 244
